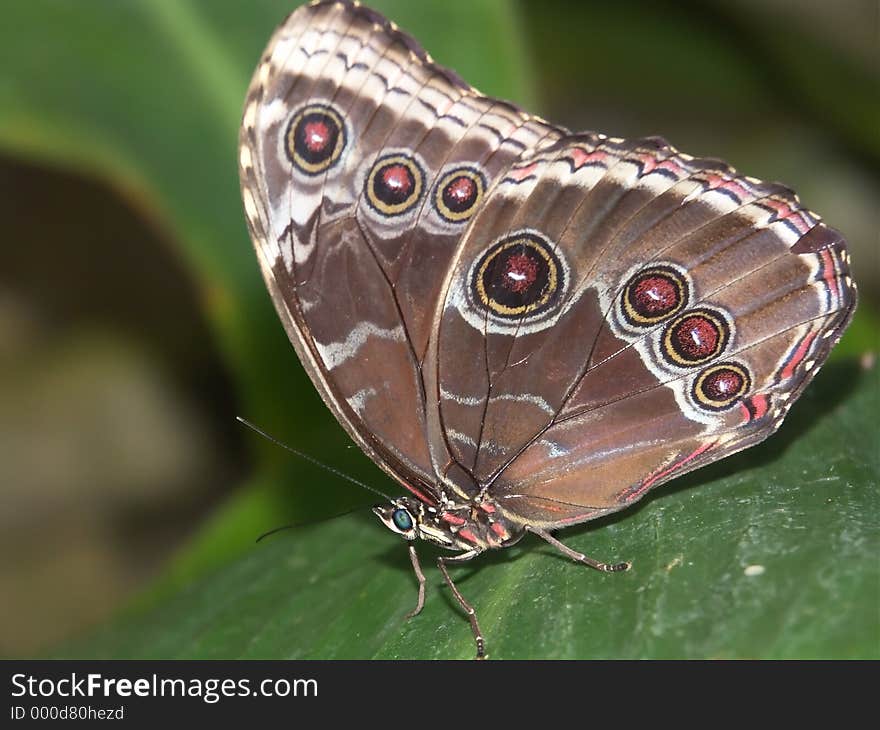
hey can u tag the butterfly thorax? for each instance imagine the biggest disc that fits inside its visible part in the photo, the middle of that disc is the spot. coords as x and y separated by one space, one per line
476 525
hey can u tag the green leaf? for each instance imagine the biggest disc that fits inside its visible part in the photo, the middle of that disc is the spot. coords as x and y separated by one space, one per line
803 506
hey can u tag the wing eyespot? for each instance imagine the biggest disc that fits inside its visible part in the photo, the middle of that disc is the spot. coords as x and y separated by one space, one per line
394 184
653 295
315 138
518 276
721 386
459 193
695 337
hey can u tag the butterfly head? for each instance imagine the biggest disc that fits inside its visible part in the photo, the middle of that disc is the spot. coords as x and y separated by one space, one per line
467 526
399 516
412 519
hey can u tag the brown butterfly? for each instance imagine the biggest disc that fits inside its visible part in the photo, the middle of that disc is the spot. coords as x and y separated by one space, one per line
526 328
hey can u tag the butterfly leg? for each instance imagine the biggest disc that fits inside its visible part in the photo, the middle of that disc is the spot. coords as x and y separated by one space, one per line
468 609
579 557
420 576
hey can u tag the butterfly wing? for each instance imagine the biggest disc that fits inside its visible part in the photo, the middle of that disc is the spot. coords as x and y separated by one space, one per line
362 163
488 303
627 313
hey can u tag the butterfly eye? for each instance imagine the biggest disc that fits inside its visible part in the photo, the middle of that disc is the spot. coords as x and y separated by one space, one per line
402 519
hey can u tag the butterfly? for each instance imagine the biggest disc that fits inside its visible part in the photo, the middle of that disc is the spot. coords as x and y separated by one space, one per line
526 328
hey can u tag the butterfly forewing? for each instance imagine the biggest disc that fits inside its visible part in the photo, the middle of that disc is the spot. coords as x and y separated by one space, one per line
362 163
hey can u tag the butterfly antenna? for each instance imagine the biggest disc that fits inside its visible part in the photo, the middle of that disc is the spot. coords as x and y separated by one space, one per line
311 459
274 530
315 521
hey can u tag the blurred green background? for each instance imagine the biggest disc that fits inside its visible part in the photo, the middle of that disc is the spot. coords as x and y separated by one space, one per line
134 326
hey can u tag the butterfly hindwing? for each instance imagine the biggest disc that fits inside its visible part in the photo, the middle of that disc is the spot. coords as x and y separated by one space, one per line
665 314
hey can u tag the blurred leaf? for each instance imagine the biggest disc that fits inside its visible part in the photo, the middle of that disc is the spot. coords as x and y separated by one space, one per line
804 506
719 64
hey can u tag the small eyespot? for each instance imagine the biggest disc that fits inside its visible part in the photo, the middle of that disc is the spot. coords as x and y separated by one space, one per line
402 520
721 386
458 194
695 337
394 184
315 139
654 295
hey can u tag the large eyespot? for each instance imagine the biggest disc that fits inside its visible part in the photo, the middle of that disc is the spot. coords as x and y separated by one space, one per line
695 337
519 275
394 184
653 295
315 139
719 387
402 519
458 194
